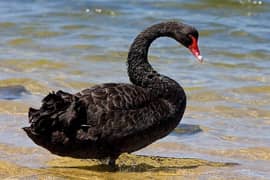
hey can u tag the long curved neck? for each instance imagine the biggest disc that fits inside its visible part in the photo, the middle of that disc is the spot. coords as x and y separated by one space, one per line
140 71
138 53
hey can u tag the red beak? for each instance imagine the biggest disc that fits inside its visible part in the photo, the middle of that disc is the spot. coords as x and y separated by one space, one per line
195 49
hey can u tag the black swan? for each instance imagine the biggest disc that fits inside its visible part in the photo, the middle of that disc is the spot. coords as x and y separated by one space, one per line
109 119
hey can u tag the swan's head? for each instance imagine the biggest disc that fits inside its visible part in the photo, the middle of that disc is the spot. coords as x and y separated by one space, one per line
188 36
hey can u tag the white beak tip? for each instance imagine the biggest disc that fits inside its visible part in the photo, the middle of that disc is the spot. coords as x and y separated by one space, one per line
200 58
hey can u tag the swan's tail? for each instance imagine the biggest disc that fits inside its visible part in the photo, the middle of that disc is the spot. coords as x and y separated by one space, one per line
59 111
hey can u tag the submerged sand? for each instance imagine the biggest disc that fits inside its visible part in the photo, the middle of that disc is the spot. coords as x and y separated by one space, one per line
129 167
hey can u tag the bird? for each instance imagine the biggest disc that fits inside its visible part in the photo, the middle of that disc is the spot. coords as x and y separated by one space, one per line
106 120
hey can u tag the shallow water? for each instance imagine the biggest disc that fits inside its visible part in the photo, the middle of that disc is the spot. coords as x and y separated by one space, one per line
70 45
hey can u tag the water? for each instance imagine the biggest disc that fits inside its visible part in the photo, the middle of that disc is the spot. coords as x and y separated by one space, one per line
70 45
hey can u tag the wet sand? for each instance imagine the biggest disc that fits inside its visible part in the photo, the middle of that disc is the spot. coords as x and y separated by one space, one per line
128 167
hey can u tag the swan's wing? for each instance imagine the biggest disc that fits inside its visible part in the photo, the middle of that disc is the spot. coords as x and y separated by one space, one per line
112 96
119 110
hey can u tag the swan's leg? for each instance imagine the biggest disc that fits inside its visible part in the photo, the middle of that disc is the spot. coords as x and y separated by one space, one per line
110 161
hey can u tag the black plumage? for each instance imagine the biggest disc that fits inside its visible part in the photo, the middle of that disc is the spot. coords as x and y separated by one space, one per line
109 119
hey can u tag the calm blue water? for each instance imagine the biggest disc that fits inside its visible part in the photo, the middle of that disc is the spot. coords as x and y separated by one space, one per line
70 45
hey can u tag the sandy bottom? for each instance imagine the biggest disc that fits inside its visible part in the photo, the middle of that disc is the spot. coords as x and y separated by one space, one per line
129 167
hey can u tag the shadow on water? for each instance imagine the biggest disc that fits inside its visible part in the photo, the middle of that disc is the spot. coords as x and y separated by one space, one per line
12 92
137 163
129 168
187 129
